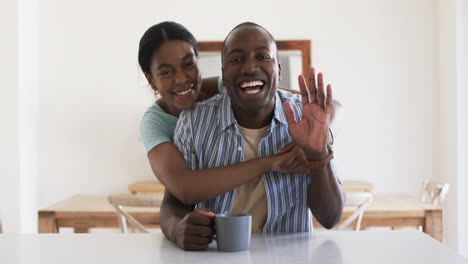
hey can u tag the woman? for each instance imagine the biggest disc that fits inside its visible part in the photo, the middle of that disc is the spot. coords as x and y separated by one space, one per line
168 58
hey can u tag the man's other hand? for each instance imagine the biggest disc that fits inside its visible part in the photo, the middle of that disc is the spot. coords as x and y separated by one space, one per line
195 231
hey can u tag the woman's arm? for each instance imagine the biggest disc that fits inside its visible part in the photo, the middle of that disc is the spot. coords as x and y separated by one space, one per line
192 186
209 88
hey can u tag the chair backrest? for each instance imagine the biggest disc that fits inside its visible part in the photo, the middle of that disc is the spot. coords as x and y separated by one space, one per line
434 192
361 200
121 200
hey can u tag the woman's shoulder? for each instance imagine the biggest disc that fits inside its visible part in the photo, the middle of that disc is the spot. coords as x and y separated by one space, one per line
155 111
156 116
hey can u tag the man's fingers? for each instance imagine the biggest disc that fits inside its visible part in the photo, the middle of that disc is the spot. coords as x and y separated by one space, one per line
201 240
312 87
329 100
204 211
194 247
320 91
303 89
286 148
198 219
289 114
207 214
196 230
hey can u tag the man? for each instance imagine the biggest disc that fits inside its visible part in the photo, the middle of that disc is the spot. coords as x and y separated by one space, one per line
248 120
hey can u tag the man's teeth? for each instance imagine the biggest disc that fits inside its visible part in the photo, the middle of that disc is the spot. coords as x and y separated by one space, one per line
251 84
184 92
252 91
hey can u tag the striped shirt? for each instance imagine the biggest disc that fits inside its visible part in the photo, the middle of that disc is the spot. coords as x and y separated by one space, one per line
208 136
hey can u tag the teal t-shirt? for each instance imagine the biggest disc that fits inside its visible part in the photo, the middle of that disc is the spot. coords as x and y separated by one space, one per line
157 126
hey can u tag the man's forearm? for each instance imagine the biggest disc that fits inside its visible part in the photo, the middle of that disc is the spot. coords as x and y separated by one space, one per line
326 196
171 213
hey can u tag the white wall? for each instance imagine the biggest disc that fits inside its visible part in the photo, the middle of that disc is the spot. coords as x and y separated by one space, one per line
90 97
381 57
448 104
462 120
9 170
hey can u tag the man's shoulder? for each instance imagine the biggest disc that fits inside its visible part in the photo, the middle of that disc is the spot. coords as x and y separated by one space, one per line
293 99
209 105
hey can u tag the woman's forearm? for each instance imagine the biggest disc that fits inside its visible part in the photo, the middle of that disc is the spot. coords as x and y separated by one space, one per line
192 186
201 185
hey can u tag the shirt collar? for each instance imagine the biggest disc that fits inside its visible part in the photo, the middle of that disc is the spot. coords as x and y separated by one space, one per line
227 115
278 113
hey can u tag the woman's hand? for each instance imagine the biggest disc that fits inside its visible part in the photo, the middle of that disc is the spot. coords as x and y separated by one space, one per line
290 159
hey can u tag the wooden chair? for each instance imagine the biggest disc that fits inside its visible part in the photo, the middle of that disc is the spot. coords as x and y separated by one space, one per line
361 200
121 200
431 192
434 192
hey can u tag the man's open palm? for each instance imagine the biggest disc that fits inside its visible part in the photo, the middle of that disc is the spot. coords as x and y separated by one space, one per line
310 133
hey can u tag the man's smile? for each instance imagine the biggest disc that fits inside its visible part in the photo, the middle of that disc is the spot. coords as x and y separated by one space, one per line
252 87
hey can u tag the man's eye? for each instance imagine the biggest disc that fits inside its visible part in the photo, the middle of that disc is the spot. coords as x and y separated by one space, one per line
190 64
263 57
235 60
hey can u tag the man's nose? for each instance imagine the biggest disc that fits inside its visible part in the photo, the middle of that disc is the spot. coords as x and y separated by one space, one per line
250 66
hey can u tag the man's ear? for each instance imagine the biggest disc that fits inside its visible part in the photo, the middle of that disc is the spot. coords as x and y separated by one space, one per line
222 76
279 70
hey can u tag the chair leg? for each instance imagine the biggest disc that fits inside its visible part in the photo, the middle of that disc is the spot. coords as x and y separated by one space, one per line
132 220
358 222
122 220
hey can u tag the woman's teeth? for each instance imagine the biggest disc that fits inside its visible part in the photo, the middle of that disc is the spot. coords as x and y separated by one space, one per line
184 92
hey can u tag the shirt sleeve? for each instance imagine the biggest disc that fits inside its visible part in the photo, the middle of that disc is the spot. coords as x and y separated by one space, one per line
153 131
183 139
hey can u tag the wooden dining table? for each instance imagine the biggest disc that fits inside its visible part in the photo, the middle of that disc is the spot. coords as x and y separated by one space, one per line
82 212
155 187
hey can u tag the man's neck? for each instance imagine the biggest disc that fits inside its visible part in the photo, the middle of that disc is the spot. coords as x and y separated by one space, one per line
254 120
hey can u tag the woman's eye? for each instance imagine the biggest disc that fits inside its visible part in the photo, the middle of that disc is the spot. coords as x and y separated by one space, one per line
164 73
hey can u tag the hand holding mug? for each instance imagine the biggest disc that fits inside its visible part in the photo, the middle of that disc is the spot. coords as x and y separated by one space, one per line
195 230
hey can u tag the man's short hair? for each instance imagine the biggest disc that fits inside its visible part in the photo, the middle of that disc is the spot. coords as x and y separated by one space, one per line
250 24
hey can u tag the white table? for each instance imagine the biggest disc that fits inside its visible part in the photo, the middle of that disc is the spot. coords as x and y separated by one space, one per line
321 247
